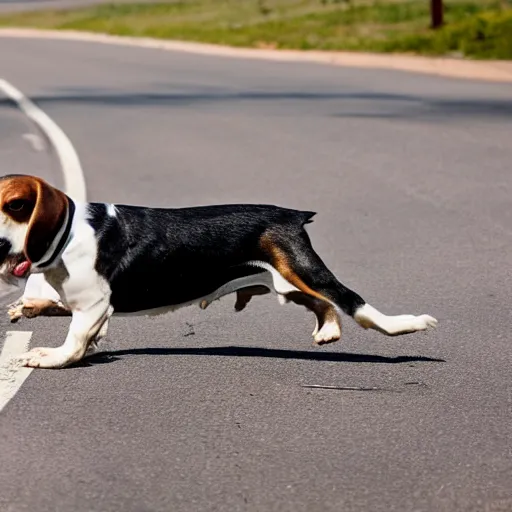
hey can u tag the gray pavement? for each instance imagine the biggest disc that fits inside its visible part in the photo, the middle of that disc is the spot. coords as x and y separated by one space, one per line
8 6
204 411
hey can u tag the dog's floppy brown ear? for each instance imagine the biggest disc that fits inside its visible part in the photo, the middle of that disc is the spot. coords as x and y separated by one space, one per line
47 217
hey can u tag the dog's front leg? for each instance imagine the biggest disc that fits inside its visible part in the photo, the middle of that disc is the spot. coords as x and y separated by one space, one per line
39 299
86 326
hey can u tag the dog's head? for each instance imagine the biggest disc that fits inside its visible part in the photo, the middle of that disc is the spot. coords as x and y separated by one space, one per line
31 214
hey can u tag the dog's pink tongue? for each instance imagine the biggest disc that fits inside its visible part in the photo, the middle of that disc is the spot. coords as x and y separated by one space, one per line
21 269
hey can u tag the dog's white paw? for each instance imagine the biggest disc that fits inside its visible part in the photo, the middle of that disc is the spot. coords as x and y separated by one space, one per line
15 310
406 324
424 322
329 333
44 357
370 318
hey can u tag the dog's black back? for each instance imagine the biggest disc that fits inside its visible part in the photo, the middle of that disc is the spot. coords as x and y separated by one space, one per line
156 257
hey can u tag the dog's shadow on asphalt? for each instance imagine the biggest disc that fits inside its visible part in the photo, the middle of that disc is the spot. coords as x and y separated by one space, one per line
233 351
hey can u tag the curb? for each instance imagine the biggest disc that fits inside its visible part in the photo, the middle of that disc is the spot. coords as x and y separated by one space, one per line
493 71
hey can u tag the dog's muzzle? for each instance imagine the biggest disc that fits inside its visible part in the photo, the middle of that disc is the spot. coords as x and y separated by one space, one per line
12 264
5 247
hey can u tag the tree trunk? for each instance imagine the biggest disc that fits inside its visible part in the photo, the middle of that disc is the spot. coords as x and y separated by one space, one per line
436 10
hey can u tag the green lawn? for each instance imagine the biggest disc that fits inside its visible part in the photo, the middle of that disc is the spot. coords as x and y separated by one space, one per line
474 28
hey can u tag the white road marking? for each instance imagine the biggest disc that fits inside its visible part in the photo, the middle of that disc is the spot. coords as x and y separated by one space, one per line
12 374
74 182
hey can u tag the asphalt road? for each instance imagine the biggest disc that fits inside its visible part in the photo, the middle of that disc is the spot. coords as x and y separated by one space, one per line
13 6
205 411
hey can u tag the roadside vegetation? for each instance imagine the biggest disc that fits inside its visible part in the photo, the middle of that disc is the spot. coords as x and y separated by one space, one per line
480 29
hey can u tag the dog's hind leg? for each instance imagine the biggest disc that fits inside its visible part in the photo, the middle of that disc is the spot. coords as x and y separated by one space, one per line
293 259
328 322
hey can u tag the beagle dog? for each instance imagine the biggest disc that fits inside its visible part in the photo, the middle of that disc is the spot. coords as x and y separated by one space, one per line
97 259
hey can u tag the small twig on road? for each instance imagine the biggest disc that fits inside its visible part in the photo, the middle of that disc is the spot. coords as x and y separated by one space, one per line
363 388
347 388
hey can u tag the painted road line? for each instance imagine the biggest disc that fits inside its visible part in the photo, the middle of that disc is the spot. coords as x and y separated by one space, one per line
74 181
12 374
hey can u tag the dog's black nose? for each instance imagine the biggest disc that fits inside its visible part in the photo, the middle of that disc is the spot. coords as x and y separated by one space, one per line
5 247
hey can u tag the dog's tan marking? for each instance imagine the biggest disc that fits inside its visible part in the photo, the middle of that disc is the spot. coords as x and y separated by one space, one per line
30 200
280 262
18 189
43 307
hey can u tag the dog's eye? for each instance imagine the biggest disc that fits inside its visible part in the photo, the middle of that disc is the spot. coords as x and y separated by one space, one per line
17 205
